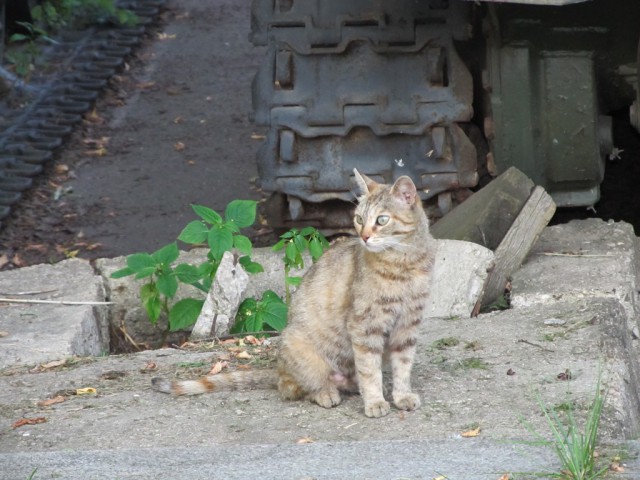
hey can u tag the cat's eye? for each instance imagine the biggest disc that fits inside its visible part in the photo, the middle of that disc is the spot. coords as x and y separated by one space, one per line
358 219
382 220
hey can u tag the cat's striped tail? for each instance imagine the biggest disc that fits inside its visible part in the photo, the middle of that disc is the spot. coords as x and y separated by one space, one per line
229 381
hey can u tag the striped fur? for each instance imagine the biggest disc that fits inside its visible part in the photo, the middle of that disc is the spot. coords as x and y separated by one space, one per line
362 301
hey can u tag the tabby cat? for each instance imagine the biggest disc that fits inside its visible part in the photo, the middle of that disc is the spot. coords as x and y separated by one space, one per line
361 301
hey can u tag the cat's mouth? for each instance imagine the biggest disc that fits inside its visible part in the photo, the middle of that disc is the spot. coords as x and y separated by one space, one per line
373 247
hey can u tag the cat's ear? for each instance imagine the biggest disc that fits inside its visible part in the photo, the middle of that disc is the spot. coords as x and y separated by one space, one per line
405 190
365 184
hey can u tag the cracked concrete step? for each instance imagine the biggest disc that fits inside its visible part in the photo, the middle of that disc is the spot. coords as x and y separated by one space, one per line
374 460
38 333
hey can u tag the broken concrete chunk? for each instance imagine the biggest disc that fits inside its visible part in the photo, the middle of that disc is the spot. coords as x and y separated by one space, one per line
459 274
222 302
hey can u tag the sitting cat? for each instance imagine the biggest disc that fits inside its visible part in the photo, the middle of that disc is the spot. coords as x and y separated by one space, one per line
363 299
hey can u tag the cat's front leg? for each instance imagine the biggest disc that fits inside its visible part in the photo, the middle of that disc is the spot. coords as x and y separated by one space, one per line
402 347
368 362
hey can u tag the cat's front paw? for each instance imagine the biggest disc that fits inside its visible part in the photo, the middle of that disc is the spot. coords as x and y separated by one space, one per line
377 409
327 398
406 401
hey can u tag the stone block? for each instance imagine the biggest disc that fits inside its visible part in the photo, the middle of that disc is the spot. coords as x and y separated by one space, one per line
38 333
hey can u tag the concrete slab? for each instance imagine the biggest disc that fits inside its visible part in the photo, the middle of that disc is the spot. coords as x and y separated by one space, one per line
580 259
491 371
41 332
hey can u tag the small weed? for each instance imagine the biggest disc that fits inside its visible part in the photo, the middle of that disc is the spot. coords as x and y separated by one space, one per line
446 342
295 242
575 448
564 407
473 345
33 474
472 363
502 303
193 364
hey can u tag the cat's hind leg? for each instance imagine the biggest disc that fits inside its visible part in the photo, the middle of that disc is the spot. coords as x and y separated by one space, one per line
304 372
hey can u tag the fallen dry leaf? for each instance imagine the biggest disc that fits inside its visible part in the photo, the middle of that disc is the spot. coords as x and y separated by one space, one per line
505 477
304 440
471 433
565 376
178 119
149 367
179 146
17 260
93 117
616 467
253 340
4 260
244 355
440 477
53 364
145 85
86 391
61 169
218 367
96 142
28 421
3 334
98 152
228 341
511 372
165 36
52 401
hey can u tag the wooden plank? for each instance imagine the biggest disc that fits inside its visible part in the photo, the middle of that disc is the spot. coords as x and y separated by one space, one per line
486 216
517 243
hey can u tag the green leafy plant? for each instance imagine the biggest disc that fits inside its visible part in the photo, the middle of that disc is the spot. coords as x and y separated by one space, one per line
163 278
54 15
221 234
295 243
50 17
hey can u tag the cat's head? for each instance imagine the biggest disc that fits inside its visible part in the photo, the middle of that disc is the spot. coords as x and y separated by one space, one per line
387 216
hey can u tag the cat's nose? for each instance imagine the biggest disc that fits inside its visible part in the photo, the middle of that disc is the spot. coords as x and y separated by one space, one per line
365 238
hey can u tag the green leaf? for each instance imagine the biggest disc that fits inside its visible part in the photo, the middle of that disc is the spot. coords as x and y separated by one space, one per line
123 272
242 243
18 37
220 240
241 212
293 281
250 266
290 233
145 272
246 317
208 269
184 313
273 312
167 285
187 273
291 252
315 248
139 261
301 243
195 232
167 254
151 301
279 246
207 214
306 231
